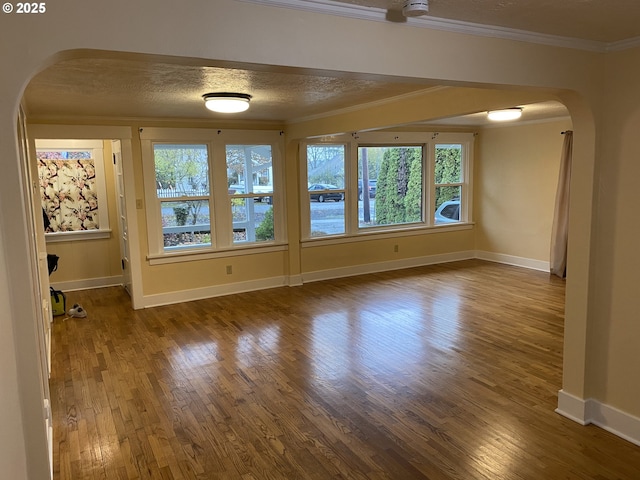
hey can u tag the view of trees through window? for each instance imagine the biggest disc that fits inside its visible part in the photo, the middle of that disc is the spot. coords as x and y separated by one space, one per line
182 186
392 176
213 190
390 185
325 164
448 173
448 182
250 181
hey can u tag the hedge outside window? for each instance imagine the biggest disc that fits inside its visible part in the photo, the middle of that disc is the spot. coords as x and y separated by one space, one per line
448 182
390 181
396 172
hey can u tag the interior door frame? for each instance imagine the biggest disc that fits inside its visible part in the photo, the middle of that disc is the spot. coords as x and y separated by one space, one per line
107 133
121 212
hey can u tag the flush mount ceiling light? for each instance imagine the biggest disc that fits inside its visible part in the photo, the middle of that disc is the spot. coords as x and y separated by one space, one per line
225 102
504 114
415 8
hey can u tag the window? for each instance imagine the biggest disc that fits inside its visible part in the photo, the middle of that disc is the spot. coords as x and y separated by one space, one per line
326 189
392 176
396 180
183 194
72 186
208 191
250 178
448 182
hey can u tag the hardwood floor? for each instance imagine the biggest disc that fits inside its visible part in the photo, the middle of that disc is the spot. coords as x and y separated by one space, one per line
442 372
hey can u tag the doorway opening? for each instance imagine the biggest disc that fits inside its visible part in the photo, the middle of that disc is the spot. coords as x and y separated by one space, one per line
82 190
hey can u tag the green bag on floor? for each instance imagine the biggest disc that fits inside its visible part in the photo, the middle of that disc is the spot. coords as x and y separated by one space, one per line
58 302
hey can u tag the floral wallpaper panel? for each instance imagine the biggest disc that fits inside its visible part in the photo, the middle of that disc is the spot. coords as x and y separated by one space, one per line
68 188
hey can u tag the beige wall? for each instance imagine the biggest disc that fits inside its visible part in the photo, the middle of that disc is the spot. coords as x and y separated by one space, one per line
13 459
518 163
175 277
615 362
232 31
318 258
516 176
198 274
82 260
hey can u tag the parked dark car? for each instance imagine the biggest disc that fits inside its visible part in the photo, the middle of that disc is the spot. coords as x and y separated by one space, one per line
324 192
373 184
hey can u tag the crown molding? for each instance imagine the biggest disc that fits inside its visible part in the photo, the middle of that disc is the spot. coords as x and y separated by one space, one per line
433 23
623 44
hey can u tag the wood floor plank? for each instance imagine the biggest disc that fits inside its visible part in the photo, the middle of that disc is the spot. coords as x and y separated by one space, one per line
441 372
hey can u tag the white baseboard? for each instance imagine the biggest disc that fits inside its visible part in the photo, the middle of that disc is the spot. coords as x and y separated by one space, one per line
572 407
592 411
385 266
212 291
295 280
88 283
615 421
513 260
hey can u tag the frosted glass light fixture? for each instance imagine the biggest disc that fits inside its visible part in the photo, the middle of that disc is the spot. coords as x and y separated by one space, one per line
225 102
504 114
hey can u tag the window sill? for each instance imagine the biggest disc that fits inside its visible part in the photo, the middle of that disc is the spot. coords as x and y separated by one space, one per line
194 255
57 237
364 236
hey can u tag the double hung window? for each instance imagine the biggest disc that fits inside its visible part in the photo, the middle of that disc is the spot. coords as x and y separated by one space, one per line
183 194
326 189
388 181
209 190
448 182
250 175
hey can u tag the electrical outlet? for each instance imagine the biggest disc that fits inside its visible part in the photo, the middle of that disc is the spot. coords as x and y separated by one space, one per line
139 203
229 269
395 248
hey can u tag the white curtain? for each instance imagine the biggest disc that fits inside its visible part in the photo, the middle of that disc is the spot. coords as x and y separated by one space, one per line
560 230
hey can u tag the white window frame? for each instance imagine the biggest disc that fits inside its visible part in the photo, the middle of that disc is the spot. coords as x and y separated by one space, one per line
251 194
465 180
97 148
221 220
156 202
305 213
428 141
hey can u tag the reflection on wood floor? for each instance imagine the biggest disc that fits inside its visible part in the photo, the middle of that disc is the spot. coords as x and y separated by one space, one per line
441 372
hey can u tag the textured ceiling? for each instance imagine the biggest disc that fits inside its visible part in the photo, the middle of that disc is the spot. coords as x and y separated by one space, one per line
597 20
147 88
142 86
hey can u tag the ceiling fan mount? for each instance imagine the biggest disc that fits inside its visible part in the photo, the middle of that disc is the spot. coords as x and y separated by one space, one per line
415 8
